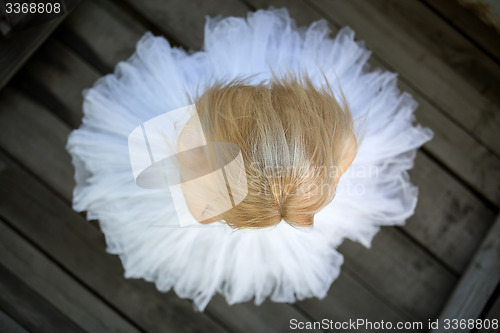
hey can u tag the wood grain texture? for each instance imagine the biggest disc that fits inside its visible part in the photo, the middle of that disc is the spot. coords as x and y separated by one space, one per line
59 82
492 314
185 21
32 140
56 286
477 283
268 317
401 272
351 297
28 308
449 220
105 30
448 45
468 24
17 49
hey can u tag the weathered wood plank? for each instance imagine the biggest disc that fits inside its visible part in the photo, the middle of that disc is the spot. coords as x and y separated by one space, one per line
99 35
470 161
7 324
354 304
477 283
16 50
468 24
29 309
60 81
451 47
452 145
62 230
492 314
57 287
31 140
404 54
449 220
268 317
401 272
185 21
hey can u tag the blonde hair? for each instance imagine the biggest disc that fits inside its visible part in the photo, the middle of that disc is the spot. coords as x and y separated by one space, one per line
292 136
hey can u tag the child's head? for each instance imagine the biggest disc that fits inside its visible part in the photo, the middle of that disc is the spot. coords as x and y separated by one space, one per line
292 137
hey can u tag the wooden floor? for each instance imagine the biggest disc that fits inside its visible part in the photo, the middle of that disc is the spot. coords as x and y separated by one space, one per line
54 271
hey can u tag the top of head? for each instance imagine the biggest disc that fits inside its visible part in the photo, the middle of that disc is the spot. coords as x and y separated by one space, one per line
293 138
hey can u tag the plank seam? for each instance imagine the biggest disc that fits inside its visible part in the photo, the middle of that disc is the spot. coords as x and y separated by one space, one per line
487 202
156 30
39 300
13 228
491 301
434 257
461 32
375 293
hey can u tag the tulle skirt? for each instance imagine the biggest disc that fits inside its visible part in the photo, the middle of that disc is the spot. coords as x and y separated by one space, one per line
283 263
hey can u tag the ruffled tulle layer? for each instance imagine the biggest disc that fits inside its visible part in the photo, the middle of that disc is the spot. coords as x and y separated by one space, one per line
283 263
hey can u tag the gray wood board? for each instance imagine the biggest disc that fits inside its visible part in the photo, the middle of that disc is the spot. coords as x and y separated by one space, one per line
469 24
51 282
29 309
7 324
478 283
16 50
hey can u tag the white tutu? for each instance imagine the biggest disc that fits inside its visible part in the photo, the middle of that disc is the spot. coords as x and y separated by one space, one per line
283 263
